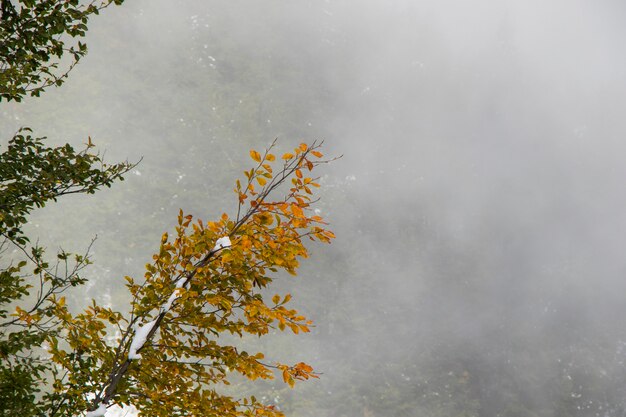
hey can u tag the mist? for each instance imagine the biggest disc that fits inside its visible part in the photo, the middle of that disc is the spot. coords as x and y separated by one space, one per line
479 204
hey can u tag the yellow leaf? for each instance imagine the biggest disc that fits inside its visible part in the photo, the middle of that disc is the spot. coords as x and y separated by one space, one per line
261 181
288 156
270 157
296 210
255 155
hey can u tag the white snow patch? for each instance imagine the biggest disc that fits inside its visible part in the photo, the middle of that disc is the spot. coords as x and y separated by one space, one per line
125 411
223 242
99 412
141 334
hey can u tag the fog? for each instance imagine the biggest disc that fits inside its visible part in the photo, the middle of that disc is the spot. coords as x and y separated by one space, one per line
479 205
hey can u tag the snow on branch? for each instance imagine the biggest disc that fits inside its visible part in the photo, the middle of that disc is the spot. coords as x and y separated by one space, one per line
141 334
175 294
221 243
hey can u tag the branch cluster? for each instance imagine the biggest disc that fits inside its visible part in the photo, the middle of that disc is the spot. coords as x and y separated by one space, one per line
206 286
34 38
31 285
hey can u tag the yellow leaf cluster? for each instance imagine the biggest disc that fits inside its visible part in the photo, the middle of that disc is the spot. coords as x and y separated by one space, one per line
195 290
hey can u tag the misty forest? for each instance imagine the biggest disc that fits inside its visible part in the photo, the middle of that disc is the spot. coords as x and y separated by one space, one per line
304 208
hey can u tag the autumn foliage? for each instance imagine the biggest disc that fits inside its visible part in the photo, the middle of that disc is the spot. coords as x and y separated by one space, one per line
168 356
